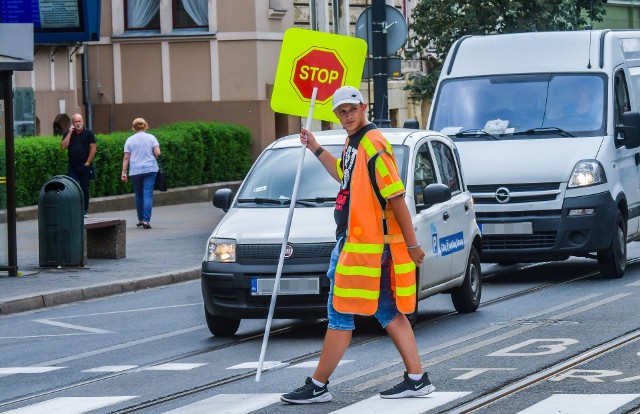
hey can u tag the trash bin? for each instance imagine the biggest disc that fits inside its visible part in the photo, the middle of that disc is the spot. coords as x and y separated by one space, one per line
61 222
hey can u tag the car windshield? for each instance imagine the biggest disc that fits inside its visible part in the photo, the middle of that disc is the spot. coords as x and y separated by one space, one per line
270 183
521 106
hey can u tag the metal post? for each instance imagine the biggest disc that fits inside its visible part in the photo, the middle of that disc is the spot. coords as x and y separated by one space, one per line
379 49
6 78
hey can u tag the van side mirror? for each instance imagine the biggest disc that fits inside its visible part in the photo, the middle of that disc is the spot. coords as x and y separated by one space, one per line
434 194
222 198
629 130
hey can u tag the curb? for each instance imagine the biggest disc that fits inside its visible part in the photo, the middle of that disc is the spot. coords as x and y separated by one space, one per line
62 297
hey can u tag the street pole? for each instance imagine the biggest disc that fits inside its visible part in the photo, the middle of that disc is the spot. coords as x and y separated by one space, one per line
379 52
6 95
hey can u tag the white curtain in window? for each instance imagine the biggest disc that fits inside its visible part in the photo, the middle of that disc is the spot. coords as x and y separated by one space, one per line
198 10
140 12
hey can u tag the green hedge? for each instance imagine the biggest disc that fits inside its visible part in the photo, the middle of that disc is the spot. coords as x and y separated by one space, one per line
193 153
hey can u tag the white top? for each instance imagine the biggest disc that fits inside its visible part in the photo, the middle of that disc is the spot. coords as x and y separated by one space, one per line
140 147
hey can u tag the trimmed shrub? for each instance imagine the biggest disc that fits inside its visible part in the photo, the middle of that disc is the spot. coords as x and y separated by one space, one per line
193 153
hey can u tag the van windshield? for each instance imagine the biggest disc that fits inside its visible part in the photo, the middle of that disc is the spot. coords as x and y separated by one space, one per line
270 182
521 106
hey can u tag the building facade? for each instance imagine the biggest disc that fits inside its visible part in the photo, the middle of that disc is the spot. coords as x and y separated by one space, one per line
209 60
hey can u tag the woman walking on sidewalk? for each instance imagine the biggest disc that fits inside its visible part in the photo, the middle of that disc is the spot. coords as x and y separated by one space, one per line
141 151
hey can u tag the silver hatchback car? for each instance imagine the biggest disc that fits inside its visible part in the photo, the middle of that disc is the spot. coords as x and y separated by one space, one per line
241 256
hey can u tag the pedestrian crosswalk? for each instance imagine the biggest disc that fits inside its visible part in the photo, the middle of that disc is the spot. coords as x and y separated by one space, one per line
248 403
160 367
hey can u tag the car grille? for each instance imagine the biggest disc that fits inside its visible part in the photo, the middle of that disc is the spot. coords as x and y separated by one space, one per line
517 214
272 251
518 193
538 240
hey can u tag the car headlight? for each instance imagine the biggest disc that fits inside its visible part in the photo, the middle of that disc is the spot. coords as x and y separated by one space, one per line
586 173
221 250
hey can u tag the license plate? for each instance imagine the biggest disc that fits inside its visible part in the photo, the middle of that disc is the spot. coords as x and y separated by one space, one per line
507 228
288 286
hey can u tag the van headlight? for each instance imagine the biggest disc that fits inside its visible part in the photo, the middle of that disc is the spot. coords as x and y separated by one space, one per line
221 250
586 173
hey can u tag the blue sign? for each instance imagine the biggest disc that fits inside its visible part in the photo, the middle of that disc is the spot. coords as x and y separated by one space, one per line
55 21
452 244
434 238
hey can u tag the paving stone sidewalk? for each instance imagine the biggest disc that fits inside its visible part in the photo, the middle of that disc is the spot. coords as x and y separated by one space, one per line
171 251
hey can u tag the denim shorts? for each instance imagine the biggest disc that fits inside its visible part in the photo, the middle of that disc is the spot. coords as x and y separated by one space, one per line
387 309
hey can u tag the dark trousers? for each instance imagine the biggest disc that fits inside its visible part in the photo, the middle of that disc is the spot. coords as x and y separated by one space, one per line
81 175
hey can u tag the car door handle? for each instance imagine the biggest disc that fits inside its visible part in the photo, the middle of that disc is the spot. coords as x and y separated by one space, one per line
445 216
466 206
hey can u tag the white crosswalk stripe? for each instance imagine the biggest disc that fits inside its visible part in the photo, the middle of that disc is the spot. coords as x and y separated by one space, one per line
111 368
27 370
580 403
173 367
70 405
313 364
229 404
377 405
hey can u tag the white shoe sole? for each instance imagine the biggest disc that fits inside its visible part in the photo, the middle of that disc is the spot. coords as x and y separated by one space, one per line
410 393
326 397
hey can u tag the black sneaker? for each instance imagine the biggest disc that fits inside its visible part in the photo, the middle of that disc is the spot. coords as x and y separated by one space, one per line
309 393
410 388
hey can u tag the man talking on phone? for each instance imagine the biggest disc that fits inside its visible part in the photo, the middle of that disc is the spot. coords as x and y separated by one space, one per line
81 145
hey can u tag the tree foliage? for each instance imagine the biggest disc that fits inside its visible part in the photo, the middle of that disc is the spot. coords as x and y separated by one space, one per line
438 24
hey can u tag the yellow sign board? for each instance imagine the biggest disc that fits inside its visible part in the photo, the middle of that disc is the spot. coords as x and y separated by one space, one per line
311 59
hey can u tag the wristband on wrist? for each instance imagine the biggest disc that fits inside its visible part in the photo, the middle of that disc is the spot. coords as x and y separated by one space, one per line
415 246
318 151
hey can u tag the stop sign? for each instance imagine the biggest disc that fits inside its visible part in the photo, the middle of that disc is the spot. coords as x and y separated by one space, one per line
321 68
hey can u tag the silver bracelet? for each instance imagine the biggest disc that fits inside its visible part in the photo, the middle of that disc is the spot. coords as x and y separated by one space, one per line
414 246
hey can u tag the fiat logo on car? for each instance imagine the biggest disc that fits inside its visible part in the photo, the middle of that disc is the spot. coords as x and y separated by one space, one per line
502 195
288 251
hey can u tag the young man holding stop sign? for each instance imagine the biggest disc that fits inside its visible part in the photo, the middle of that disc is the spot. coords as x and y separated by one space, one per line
372 268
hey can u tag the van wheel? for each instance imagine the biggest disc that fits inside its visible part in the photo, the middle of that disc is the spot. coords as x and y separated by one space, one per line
613 261
221 326
466 298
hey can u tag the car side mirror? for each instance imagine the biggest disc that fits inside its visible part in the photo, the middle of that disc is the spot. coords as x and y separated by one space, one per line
222 198
629 130
411 124
434 194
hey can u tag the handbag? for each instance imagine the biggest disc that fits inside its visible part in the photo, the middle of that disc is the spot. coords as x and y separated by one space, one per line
92 172
161 180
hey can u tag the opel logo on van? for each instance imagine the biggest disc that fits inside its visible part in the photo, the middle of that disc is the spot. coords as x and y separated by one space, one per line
502 195
288 251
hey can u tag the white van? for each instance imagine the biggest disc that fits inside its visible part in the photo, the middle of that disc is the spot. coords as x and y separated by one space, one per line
547 126
241 256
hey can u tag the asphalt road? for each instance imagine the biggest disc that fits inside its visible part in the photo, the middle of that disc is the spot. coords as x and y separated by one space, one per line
151 352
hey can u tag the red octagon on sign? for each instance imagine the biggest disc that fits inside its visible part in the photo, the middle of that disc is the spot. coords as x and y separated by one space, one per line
321 68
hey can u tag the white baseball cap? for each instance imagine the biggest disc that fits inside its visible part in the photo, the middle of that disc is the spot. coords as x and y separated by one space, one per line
346 94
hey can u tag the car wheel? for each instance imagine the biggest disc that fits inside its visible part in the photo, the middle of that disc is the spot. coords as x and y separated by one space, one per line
221 326
466 298
613 261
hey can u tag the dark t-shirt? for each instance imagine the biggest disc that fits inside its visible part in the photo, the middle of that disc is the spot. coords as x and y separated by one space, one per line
79 147
347 163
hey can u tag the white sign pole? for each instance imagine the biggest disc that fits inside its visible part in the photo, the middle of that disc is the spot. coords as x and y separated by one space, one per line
276 285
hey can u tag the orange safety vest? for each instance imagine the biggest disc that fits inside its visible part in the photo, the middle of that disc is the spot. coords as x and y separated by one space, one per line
357 279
